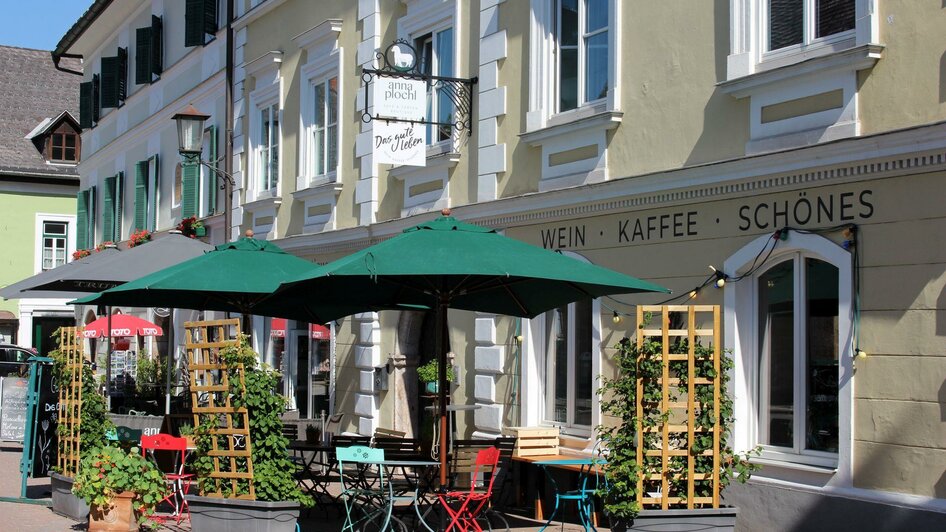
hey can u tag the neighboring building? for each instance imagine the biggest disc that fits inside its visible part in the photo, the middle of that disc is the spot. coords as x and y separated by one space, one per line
39 149
144 61
608 132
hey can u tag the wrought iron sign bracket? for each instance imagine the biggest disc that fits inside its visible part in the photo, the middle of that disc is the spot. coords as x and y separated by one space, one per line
399 60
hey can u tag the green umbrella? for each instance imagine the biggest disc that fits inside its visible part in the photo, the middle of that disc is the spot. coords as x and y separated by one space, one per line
444 264
232 277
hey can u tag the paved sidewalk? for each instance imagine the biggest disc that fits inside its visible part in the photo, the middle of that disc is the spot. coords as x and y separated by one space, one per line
20 517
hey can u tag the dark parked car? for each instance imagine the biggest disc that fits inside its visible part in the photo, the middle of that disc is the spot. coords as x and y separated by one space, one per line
13 360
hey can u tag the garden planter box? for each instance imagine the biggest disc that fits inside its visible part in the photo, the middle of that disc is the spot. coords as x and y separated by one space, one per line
211 514
64 502
702 520
534 441
148 425
119 517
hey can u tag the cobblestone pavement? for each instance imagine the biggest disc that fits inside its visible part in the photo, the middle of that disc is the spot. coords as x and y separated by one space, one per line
21 517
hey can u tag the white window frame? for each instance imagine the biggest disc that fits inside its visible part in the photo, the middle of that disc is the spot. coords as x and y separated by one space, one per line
433 95
153 195
535 387
325 60
544 57
40 218
267 183
581 48
266 95
742 337
809 41
64 248
431 17
749 52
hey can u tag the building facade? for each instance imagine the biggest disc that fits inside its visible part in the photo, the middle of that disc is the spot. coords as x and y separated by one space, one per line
778 143
39 149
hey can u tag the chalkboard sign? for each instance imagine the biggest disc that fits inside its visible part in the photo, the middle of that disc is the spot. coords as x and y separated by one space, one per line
12 408
45 442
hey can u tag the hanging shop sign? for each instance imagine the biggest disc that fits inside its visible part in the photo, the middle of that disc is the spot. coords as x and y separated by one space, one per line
401 143
400 98
400 91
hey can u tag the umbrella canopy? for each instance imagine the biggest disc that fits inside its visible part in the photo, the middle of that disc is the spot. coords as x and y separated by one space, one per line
123 325
467 266
108 268
445 264
233 277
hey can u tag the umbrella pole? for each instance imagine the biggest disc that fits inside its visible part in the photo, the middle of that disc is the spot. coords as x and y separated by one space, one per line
108 359
169 374
441 335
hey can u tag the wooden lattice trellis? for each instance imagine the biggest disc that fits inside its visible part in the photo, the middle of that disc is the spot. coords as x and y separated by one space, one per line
660 484
210 395
70 400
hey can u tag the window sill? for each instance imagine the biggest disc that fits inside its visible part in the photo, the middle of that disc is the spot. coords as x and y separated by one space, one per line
262 203
851 59
319 189
573 122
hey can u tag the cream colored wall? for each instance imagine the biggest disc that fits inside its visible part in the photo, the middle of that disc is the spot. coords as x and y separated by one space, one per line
908 85
899 402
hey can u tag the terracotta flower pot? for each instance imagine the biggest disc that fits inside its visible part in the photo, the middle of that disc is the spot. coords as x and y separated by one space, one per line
119 517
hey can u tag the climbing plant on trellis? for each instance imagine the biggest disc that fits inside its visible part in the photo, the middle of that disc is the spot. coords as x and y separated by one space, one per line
70 358
226 427
679 404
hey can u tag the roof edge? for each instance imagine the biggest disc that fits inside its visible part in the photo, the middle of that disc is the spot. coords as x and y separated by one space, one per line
78 29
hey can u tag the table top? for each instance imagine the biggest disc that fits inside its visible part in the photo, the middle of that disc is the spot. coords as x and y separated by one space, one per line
402 463
567 461
309 446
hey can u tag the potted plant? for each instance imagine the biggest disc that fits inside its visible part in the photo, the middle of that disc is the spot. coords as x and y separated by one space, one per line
186 431
278 496
139 237
81 253
192 227
623 472
313 434
93 427
121 488
428 374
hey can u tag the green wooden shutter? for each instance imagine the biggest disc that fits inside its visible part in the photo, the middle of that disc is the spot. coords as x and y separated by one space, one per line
141 195
122 74
119 203
91 216
96 94
157 40
210 16
109 82
82 220
190 175
108 209
143 56
212 181
85 105
194 23
154 194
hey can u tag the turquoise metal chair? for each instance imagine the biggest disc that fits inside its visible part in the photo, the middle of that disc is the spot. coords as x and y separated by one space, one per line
373 502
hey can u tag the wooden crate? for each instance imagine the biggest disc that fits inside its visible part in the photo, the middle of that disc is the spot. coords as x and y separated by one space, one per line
534 441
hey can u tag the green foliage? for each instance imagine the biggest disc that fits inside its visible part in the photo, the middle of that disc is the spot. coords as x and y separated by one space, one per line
428 372
93 418
107 471
642 364
272 469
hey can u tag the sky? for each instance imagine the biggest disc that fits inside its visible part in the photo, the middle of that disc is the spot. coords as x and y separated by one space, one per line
38 24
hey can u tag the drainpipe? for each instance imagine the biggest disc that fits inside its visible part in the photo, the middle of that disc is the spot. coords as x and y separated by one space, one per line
56 59
228 121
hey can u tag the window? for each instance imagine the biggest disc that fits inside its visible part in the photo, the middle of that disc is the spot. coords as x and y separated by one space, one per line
146 194
325 127
112 208
55 236
89 105
798 351
436 59
790 329
268 148
85 214
178 185
64 146
569 365
582 36
801 22
200 19
114 76
149 57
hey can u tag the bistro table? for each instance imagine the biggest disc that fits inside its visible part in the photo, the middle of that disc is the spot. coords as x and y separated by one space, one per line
412 494
317 467
583 495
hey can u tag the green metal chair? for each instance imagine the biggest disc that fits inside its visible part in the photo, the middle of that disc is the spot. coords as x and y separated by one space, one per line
373 502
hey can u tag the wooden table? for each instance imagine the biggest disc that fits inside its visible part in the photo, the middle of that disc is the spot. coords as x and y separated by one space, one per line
567 465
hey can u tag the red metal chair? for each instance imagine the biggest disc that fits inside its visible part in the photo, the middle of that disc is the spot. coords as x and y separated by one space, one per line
472 502
177 480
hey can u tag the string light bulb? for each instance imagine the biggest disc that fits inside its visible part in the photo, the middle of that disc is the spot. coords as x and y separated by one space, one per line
693 294
721 277
616 318
519 339
860 354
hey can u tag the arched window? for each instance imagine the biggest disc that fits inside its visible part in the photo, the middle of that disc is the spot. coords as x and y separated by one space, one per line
789 326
